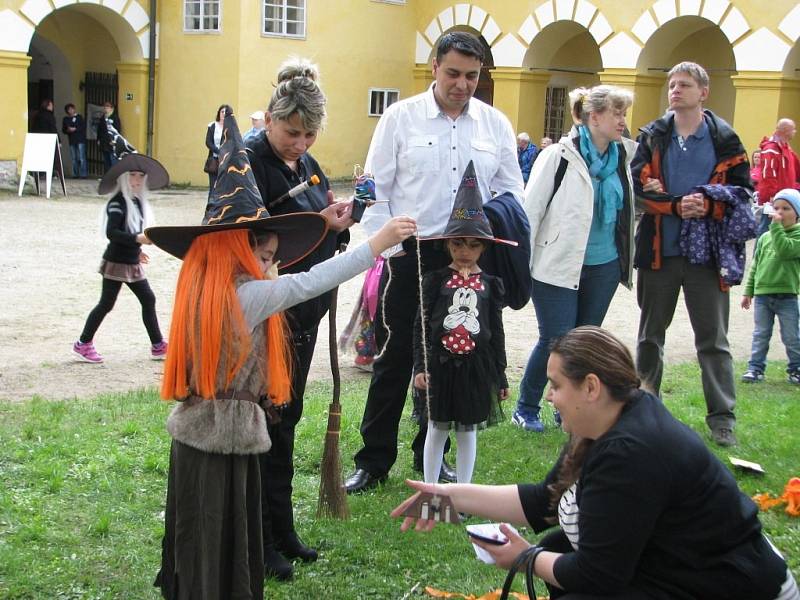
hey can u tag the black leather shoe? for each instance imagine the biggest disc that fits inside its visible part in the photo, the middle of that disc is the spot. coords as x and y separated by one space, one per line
276 566
446 474
292 546
362 480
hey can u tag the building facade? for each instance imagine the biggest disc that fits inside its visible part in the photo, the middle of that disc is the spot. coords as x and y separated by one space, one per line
372 52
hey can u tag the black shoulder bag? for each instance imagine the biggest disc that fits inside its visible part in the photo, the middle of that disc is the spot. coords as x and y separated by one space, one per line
526 558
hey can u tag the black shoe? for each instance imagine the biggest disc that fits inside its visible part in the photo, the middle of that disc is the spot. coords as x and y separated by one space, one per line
362 480
292 546
276 566
446 473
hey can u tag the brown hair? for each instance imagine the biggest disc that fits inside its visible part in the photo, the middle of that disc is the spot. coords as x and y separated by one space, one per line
584 350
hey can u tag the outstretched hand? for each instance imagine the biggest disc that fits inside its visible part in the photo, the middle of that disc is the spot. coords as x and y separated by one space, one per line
393 232
420 486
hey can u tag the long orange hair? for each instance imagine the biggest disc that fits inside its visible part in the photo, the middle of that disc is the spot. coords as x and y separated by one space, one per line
208 325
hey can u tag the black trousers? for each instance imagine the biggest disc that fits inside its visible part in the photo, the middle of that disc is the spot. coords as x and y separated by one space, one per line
277 465
108 297
391 373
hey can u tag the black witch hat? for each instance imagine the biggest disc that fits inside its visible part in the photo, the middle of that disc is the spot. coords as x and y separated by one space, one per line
128 159
468 219
235 203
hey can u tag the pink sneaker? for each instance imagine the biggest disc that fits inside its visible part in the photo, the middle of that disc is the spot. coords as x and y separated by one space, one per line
86 352
158 351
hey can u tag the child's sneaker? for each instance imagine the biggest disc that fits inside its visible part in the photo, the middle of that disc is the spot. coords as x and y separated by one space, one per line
158 351
527 421
753 376
793 377
86 352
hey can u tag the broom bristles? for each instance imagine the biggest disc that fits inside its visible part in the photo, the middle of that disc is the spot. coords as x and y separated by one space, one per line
332 495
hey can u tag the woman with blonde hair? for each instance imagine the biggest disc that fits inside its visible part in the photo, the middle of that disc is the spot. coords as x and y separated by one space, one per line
281 160
579 201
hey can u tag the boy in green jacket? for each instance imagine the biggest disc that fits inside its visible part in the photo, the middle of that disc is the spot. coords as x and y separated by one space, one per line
774 280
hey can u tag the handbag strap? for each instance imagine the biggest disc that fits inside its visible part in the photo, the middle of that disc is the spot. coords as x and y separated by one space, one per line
560 171
527 557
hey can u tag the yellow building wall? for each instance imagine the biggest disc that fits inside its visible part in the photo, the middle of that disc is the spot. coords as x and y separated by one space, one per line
239 66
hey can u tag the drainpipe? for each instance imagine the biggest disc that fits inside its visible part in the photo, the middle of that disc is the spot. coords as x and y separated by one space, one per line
151 78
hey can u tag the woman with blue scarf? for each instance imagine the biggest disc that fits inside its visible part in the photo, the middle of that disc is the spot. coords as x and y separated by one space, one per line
581 230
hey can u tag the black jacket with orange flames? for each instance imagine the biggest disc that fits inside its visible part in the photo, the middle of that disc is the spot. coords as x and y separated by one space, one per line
732 169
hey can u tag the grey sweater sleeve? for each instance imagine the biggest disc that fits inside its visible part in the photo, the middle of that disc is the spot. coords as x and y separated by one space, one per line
261 298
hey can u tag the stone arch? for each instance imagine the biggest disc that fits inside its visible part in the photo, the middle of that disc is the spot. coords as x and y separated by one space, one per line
693 38
760 50
461 17
790 28
127 22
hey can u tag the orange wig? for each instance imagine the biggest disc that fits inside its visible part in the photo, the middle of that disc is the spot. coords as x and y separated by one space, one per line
208 326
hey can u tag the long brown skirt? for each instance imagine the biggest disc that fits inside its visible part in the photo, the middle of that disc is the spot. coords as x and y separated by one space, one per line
212 547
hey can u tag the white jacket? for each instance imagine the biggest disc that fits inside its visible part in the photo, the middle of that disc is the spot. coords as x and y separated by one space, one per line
559 234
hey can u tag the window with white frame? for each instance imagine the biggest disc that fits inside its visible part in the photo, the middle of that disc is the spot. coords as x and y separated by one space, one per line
201 15
380 99
286 18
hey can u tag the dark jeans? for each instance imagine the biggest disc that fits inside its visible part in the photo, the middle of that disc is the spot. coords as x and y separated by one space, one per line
277 465
80 167
108 298
109 159
391 372
558 310
765 309
708 308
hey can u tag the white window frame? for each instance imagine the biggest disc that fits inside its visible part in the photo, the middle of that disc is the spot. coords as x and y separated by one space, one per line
283 21
555 113
385 92
202 17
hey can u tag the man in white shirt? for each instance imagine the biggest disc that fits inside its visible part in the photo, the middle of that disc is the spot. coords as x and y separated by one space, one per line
418 154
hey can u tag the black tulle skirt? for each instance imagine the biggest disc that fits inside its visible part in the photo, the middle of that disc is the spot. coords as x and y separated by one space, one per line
464 391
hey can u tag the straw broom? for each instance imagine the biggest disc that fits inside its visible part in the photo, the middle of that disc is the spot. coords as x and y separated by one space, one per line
332 495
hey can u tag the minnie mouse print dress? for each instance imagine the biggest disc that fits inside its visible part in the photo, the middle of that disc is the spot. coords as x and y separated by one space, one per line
465 348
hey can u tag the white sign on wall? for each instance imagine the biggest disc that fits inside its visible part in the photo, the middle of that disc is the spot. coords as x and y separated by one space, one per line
42 155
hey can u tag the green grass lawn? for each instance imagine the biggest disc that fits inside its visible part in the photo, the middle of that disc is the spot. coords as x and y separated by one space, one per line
82 489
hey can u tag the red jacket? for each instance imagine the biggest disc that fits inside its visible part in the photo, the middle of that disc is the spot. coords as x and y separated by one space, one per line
780 169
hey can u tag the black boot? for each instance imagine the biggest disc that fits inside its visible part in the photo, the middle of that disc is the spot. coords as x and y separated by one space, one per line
291 546
276 566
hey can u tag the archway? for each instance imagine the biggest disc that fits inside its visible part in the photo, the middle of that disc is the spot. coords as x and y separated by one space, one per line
569 54
696 39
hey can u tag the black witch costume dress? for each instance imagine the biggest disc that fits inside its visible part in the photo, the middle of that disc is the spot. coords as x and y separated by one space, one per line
465 344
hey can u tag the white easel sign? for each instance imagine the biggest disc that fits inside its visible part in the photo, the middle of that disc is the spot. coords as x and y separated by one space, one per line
42 154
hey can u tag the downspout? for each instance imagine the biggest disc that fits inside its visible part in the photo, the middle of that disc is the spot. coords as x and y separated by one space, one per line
151 78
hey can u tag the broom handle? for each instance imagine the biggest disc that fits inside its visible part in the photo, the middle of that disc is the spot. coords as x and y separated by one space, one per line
332 341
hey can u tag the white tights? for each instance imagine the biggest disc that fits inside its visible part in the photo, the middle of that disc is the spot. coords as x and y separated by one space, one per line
465 454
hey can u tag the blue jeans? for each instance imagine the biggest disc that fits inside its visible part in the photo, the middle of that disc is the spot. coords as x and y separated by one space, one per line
80 167
765 308
558 310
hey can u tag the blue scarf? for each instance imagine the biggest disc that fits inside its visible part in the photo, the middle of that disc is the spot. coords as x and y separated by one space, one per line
605 179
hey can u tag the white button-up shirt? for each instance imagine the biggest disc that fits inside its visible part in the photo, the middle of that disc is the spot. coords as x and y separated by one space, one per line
418 155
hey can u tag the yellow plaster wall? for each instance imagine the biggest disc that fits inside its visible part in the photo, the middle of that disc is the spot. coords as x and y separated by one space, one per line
14 104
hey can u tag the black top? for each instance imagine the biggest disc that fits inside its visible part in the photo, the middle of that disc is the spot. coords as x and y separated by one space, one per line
44 122
122 246
103 135
659 513
79 135
213 149
274 178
